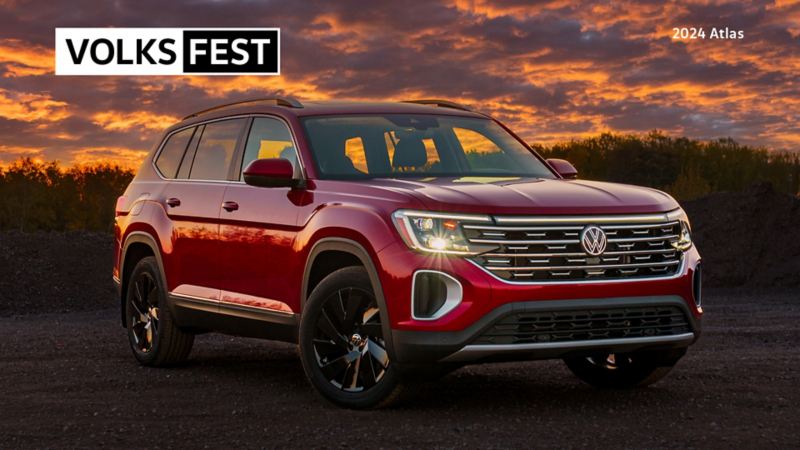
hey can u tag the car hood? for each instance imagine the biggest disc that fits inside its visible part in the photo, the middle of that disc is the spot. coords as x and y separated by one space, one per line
530 195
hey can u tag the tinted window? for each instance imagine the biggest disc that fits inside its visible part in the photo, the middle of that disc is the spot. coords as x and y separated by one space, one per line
215 152
170 157
188 157
269 138
402 145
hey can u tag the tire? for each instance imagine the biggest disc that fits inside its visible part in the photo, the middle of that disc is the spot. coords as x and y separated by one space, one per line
154 337
342 346
624 370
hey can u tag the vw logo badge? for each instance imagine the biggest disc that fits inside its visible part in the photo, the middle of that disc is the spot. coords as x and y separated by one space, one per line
593 240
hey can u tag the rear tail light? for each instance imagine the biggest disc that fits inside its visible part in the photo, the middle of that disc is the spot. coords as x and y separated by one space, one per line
122 203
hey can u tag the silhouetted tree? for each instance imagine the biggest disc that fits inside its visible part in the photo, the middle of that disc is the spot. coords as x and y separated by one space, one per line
684 167
42 196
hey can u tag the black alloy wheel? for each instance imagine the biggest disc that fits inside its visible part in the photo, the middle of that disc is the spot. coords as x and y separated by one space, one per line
155 338
348 340
343 346
624 370
144 312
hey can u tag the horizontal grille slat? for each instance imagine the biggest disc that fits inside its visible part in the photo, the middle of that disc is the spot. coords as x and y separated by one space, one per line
582 325
552 251
588 267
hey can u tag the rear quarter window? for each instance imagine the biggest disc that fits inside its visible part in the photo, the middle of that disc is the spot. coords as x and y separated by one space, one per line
171 154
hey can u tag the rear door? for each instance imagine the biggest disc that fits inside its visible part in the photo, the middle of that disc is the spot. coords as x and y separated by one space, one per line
193 201
258 228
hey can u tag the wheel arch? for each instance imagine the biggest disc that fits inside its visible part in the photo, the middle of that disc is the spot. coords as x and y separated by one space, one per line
360 253
137 245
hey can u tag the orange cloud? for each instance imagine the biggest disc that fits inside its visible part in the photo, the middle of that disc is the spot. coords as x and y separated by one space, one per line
122 121
11 153
124 157
23 59
29 107
223 86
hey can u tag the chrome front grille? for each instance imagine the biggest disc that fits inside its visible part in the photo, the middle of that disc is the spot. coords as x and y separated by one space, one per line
551 251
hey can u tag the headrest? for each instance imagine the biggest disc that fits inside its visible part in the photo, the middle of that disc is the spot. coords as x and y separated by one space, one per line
410 152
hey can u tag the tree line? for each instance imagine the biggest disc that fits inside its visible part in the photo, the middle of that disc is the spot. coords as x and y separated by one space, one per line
685 168
44 196
38 195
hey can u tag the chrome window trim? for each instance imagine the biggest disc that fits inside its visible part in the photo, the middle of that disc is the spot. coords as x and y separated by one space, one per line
678 273
476 351
303 173
452 300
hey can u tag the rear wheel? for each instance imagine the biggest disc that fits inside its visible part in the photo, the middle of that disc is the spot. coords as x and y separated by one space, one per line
342 346
624 370
154 337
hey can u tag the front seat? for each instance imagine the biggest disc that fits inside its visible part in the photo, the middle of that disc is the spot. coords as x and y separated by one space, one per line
335 162
409 155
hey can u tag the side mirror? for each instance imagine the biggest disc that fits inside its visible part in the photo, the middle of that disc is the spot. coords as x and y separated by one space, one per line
564 168
271 172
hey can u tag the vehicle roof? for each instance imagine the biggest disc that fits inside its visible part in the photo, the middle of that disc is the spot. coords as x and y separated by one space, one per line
321 108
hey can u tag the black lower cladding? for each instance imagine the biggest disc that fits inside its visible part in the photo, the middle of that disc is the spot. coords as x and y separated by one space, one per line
586 325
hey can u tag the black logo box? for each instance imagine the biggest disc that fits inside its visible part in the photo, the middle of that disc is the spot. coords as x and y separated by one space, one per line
203 61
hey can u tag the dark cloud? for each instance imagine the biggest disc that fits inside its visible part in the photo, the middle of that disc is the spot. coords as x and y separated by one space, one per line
553 70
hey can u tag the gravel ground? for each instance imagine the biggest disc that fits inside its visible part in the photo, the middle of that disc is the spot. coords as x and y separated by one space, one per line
70 381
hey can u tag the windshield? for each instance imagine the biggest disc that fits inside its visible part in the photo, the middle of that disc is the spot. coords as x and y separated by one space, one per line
411 146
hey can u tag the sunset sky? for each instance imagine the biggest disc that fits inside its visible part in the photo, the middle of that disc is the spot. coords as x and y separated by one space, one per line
553 70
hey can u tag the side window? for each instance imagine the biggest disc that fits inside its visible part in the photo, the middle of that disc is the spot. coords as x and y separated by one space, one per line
171 154
482 153
215 152
354 149
269 138
188 157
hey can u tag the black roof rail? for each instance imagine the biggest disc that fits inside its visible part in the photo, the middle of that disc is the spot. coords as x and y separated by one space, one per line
289 102
439 103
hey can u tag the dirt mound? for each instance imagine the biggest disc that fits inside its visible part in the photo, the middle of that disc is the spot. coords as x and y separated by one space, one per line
55 272
748 238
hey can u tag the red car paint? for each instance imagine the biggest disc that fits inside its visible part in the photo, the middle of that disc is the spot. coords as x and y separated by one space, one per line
256 255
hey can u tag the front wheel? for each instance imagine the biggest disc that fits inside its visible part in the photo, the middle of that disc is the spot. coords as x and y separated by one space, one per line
342 346
624 370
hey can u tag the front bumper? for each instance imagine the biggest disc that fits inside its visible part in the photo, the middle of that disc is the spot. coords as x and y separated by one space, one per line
487 300
460 346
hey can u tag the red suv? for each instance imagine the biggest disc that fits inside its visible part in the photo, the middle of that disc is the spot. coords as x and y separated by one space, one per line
390 240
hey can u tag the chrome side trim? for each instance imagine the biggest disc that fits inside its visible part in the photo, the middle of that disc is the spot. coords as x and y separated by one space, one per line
623 218
223 306
472 352
678 273
192 297
455 293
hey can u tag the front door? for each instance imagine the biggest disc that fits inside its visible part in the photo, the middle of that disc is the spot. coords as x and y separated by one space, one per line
258 228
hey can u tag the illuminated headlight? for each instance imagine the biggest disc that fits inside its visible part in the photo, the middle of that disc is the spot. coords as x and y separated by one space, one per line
684 241
437 232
